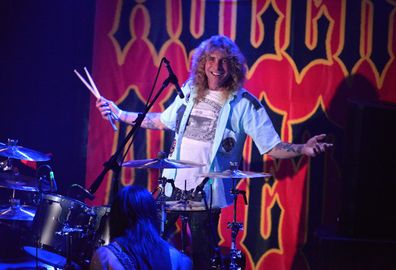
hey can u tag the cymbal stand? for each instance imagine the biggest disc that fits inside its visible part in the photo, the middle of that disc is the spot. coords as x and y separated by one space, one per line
184 218
235 254
68 232
162 199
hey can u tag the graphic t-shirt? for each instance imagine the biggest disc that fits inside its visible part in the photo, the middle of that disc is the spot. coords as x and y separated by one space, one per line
198 139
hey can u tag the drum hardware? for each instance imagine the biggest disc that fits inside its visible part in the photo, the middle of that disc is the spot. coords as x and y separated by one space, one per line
46 179
162 200
80 193
235 256
12 150
60 222
185 205
16 181
100 229
184 218
161 163
10 178
216 262
234 174
68 232
16 211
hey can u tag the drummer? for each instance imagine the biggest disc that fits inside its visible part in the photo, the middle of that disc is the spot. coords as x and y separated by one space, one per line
211 124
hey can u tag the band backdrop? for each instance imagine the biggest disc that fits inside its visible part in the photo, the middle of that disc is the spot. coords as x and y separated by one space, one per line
305 60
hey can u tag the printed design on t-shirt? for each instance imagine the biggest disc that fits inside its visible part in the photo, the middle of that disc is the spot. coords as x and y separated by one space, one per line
202 122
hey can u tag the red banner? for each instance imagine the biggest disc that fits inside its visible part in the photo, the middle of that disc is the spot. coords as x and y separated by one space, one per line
305 60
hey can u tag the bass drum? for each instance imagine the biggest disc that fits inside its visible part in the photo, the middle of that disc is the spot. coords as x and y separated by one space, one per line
60 228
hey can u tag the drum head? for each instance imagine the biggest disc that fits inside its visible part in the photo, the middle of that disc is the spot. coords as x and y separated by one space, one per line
50 258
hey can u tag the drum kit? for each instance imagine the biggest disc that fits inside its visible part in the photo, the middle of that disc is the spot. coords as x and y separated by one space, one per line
235 259
63 232
66 231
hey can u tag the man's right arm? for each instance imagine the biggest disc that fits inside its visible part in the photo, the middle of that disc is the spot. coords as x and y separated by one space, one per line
151 121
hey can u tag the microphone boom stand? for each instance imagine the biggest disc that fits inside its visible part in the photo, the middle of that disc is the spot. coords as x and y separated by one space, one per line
112 163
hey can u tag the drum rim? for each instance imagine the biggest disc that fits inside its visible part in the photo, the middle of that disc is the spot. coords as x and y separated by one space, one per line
59 198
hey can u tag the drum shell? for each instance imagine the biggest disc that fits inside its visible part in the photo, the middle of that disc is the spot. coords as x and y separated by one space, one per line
54 214
101 227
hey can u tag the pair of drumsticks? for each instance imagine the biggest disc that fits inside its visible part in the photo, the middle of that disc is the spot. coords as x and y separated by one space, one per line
94 90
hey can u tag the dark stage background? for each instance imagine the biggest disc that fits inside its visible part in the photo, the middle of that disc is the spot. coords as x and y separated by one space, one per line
43 105
332 212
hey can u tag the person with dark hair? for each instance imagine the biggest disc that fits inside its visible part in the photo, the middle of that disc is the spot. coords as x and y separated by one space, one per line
211 124
135 240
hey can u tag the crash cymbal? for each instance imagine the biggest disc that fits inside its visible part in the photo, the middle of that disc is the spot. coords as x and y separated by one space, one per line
18 212
161 163
18 182
234 174
19 152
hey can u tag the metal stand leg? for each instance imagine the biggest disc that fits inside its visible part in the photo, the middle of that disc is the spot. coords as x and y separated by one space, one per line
235 254
184 221
69 265
68 232
162 200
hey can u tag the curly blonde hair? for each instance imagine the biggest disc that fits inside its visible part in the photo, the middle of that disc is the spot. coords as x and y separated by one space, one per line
236 59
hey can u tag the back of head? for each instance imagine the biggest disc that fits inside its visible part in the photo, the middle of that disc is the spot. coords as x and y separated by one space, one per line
132 206
134 225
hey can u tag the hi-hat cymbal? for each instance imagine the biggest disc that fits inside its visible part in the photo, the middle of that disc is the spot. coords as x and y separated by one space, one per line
234 174
19 152
18 181
18 212
161 163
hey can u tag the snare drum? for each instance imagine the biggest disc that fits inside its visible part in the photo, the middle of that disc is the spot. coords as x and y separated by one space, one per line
60 219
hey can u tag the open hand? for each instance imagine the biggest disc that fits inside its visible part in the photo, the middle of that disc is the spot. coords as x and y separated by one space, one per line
314 146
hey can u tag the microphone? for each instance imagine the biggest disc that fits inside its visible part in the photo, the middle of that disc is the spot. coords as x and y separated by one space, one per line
53 185
85 192
172 78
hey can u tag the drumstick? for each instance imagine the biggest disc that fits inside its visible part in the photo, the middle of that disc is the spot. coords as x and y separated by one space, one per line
86 84
95 89
95 92
92 82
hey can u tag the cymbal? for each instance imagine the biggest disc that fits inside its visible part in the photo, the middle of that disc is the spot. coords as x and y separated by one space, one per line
234 174
19 152
161 163
18 181
19 212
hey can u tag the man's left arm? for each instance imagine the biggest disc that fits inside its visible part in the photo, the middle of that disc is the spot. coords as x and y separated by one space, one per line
311 148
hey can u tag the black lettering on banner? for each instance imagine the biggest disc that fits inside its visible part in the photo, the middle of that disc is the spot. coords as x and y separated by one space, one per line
380 38
243 31
350 53
255 243
297 49
133 103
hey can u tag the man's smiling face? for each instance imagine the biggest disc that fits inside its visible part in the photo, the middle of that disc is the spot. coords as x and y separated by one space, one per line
217 69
